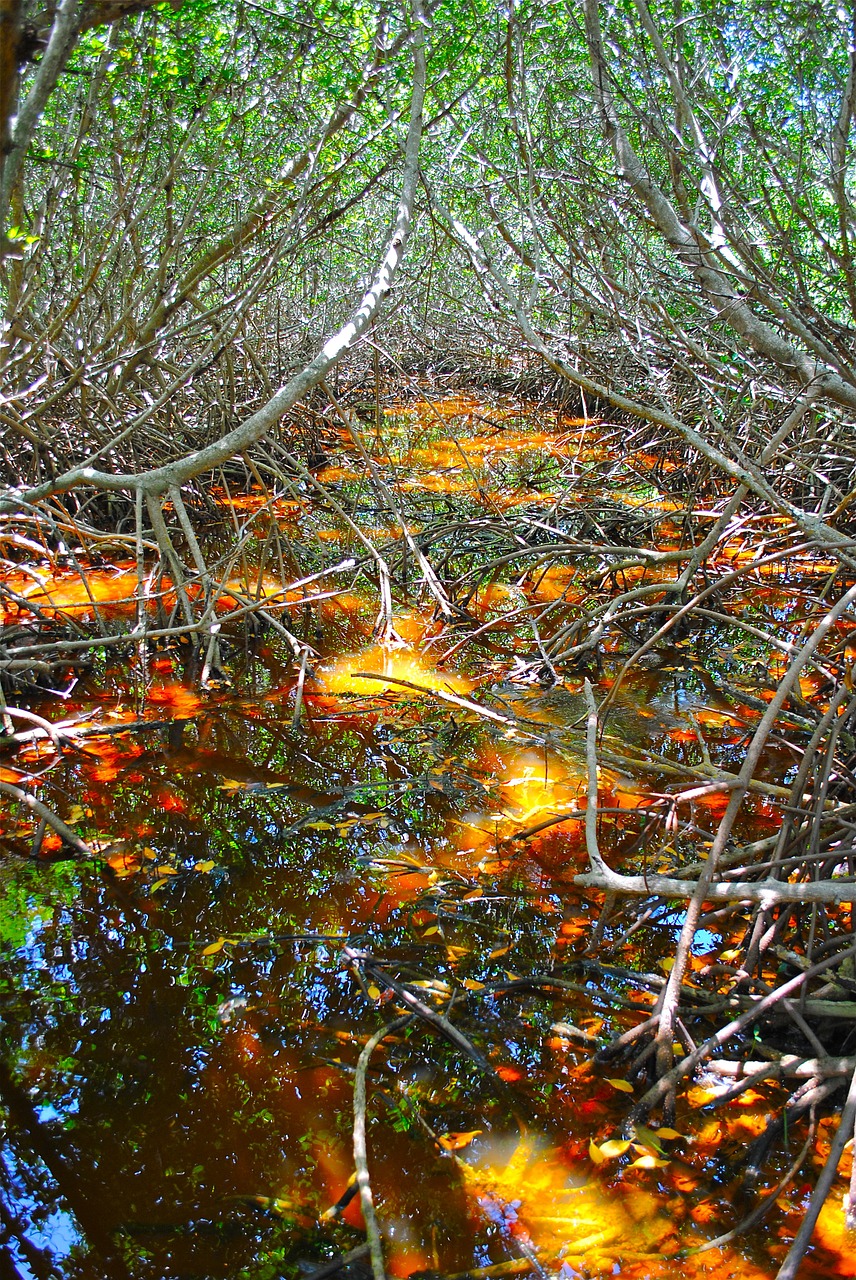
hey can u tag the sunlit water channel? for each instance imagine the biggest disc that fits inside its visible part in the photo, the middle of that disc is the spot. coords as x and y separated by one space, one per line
180 1021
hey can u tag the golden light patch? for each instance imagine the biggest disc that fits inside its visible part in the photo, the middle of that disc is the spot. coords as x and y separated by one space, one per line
531 790
538 1194
832 1233
341 677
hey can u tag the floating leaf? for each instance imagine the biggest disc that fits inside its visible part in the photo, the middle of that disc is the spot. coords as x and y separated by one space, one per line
509 1074
431 930
124 864
435 988
472 985
624 1086
500 951
646 1138
472 895
457 1141
373 992
319 826
166 871
595 1154
77 813
204 866
668 1133
614 1147
648 1162
214 947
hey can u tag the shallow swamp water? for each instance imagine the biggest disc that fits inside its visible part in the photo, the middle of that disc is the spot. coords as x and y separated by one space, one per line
281 852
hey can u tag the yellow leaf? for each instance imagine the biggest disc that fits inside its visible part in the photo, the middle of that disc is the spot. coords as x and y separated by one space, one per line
472 895
500 951
430 931
166 871
456 953
648 1162
123 866
472 985
615 1147
374 992
318 826
159 884
668 1133
595 1154
214 947
647 1139
512 977
149 853
667 964
203 866
76 813
436 988
624 1086
456 1141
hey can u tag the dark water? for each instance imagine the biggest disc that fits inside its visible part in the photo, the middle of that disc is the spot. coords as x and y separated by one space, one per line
181 1019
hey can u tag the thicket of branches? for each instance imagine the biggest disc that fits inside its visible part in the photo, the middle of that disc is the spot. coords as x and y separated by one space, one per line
207 213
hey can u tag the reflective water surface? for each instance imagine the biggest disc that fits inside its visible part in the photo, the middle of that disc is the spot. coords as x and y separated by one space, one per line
182 1017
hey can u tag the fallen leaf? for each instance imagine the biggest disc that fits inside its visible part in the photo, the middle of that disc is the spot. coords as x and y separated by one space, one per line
124 864
509 1074
203 866
457 1141
614 1147
648 1162
214 947
624 1086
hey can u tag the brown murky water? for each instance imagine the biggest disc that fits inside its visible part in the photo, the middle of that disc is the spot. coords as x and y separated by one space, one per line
180 1027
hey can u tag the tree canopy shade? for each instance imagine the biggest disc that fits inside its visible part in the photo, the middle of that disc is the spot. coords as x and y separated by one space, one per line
676 187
